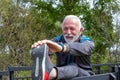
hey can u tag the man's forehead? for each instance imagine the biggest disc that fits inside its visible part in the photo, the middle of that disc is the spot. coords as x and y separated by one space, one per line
71 22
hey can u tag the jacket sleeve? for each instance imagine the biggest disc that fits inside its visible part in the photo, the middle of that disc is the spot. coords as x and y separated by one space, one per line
56 39
84 48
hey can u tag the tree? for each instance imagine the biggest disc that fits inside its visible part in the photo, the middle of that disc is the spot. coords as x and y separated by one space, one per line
41 19
96 20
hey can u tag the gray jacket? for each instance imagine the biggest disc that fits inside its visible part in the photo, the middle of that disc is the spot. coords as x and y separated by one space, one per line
77 52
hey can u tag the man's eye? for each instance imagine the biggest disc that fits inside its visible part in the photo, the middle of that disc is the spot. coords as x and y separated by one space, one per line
72 29
65 29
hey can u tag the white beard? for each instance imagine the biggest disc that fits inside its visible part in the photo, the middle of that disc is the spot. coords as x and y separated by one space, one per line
73 39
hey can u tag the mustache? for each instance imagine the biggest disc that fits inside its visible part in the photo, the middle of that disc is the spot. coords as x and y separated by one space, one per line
69 35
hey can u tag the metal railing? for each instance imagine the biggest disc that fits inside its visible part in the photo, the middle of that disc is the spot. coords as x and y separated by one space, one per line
22 68
112 72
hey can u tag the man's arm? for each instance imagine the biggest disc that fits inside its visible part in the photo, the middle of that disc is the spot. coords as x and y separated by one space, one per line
77 48
74 48
84 48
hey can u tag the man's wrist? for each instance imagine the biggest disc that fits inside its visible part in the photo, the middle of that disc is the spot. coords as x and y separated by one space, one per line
62 49
65 48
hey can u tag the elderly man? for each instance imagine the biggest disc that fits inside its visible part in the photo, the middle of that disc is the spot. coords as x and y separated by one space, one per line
73 50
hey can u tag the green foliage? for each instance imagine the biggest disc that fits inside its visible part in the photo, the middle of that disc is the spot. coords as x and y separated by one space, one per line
19 74
42 20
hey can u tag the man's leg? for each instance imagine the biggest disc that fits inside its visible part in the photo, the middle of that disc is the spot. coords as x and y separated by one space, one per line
41 63
67 72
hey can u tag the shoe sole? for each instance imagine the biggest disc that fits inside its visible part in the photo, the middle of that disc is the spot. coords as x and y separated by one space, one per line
39 57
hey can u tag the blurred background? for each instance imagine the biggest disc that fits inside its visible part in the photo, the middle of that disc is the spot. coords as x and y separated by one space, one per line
23 22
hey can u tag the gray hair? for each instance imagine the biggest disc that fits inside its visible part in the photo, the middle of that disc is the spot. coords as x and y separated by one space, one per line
73 16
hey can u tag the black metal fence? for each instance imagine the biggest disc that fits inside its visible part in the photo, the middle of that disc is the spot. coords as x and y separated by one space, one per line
103 72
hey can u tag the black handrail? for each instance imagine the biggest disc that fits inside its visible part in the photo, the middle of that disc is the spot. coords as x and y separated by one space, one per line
16 68
106 64
113 75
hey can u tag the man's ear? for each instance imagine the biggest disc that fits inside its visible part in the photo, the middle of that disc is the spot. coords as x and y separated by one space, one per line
81 29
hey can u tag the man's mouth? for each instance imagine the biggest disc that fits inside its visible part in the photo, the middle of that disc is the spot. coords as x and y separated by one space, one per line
69 37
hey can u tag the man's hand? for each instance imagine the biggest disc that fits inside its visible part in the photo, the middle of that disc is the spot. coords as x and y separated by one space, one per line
53 47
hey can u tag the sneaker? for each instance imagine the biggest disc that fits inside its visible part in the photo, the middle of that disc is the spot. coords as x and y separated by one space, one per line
41 63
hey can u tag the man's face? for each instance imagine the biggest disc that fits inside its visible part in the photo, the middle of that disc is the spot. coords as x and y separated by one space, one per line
71 30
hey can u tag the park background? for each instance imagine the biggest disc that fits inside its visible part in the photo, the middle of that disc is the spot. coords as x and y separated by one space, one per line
23 22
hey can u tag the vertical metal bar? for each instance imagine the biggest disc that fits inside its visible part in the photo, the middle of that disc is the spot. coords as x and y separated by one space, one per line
118 72
11 76
0 77
98 69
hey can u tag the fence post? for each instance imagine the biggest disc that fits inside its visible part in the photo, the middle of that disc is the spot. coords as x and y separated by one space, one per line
119 72
0 77
98 69
11 74
116 69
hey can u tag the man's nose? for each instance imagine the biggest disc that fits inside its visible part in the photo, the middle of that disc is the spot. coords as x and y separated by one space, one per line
69 31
